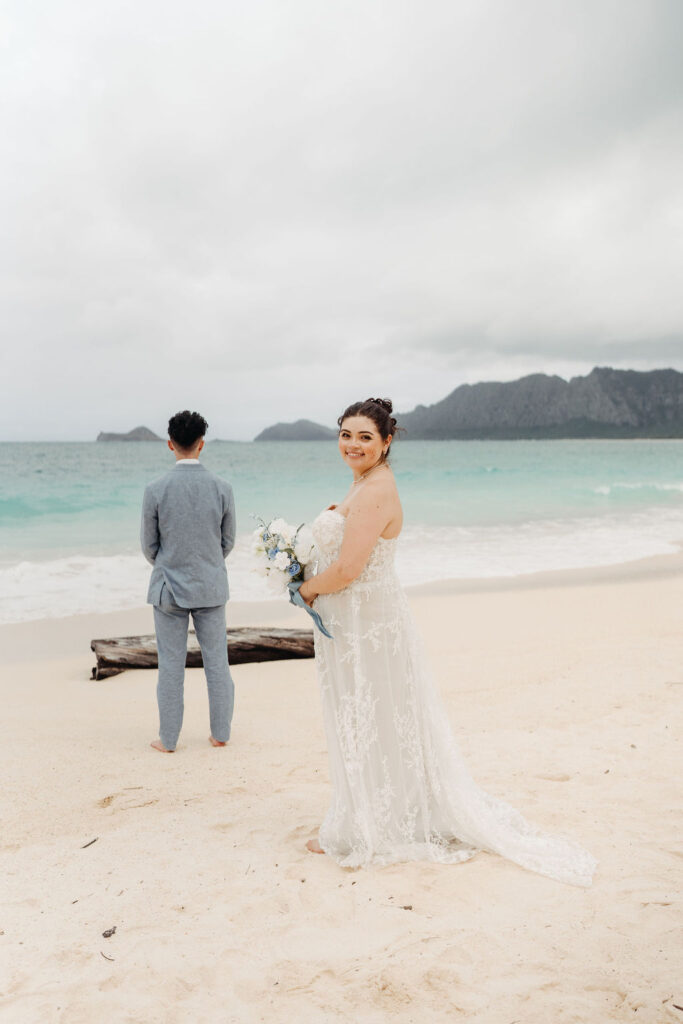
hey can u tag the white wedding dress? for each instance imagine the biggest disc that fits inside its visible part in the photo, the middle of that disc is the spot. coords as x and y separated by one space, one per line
400 788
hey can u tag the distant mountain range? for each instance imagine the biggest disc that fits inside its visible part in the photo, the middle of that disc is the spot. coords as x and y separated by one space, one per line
606 403
302 430
137 434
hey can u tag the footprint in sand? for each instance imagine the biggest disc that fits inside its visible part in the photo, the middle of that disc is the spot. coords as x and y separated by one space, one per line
554 778
302 831
107 800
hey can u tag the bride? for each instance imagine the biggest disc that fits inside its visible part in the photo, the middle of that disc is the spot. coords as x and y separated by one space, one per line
400 788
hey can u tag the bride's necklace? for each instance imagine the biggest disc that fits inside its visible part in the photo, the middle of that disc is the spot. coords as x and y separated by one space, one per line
366 474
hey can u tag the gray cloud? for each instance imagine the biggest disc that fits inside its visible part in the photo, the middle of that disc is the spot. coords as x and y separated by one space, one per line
266 210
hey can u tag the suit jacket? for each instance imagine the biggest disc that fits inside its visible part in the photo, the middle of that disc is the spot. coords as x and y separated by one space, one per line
188 529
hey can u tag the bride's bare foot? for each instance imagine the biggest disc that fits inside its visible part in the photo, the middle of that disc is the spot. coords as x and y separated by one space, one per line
158 745
217 743
313 846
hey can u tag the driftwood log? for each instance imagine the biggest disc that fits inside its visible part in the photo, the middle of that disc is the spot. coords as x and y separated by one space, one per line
246 644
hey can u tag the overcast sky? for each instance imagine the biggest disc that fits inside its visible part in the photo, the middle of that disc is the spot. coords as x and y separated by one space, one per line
265 210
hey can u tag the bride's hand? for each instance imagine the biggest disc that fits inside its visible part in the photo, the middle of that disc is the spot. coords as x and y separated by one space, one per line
307 593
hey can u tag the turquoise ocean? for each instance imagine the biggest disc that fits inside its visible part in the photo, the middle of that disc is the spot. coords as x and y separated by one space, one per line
69 513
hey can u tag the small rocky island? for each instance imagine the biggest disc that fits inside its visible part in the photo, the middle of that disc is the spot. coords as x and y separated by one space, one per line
301 430
137 434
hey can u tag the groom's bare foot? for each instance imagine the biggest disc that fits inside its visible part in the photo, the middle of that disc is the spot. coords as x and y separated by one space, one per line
313 846
217 743
158 745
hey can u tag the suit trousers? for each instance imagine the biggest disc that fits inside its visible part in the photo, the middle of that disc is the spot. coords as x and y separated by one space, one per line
171 623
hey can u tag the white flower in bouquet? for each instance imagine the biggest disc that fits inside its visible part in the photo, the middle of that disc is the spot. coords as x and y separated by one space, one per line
283 530
282 561
303 545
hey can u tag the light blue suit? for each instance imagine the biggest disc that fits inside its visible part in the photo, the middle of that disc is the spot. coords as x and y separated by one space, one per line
188 530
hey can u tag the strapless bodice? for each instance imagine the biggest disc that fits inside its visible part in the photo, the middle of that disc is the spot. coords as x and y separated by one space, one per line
328 533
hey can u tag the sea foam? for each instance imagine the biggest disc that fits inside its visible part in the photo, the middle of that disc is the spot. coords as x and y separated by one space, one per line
84 584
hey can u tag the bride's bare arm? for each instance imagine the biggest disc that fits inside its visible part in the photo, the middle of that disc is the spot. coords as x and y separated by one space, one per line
366 521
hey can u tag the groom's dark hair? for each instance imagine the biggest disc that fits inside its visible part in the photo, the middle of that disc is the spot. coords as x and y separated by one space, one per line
186 428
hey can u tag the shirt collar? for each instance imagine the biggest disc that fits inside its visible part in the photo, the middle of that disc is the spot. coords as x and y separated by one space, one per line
187 462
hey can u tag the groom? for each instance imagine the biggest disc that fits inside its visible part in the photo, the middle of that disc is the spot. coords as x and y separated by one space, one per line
188 529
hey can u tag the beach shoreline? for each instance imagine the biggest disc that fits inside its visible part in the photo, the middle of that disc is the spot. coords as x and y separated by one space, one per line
564 692
67 635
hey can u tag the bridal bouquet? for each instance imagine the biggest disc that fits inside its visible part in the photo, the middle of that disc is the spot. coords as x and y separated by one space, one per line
282 552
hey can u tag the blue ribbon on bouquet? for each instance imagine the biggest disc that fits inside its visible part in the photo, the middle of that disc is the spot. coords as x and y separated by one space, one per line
296 598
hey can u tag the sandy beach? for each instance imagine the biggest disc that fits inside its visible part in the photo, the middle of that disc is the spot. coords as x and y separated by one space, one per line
565 693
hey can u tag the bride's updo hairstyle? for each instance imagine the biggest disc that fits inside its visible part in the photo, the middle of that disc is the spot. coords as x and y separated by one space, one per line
378 410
